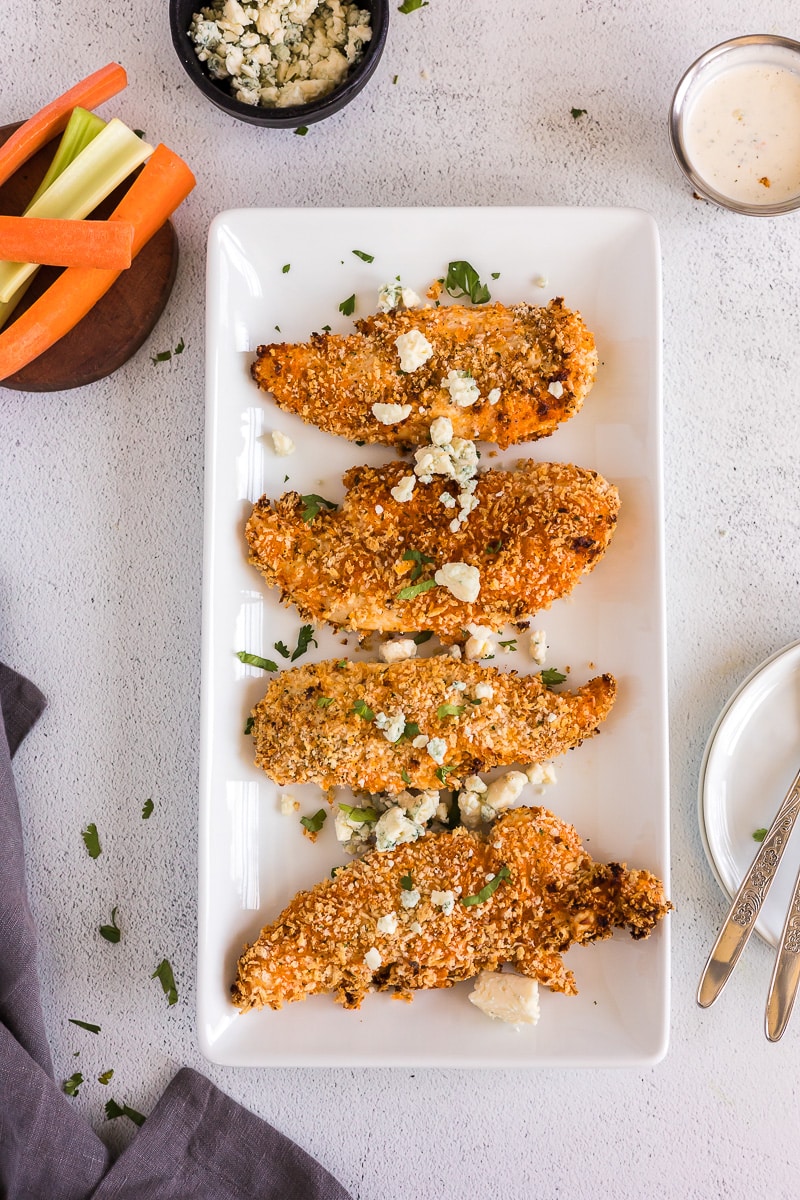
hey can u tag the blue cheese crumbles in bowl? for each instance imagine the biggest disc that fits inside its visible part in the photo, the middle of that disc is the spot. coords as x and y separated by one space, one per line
279 63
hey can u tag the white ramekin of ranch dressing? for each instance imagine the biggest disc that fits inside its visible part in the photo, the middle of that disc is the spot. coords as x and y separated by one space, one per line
735 125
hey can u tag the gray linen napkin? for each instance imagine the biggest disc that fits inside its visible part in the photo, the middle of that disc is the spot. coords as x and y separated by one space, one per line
197 1144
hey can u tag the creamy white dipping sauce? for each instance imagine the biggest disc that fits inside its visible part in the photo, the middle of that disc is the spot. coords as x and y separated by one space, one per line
742 133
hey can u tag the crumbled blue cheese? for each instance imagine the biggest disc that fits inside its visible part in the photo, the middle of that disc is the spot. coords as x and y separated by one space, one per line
463 389
419 741
483 691
275 53
394 828
479 644
288 804
387 923
504 996
470 801
461 579
538 646
391 414
446 901
437 748
373 959
282 444
391 726
494 396
410 899
556 388
501 793
414 349
447 500
404 489
394 295
398 650
541 773
441 431
541 281
415 927
457 459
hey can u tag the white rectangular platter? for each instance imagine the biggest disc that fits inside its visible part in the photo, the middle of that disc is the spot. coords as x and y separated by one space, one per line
279 275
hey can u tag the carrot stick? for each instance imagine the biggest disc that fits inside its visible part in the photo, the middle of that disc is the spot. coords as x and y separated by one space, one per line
165 181
52 119
56 243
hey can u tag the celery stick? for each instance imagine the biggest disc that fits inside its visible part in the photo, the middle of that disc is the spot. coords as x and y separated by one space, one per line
98 169
82 128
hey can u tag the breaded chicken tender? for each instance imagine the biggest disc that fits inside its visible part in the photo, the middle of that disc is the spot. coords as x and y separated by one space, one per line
519 895
532 534
330 723
542 360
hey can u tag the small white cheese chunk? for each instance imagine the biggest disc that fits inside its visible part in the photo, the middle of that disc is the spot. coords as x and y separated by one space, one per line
541 773
462 387
391 726
494 396
502 792
379 510
506 997
437 748
415 927
373 959
394 829
441 431
387 924
483 691
447 500
539 646
410 899
461 580
391 414
420 741
282 444
479 643
446 901
288 804
404 489
414 349
541 281
409 298
556 388
398 650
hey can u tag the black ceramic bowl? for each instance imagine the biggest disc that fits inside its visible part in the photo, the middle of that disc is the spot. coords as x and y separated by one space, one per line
218 92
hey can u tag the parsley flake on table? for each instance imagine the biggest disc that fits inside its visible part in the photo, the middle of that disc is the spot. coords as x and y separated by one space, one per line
312 503
363 710
248 725
181 346
71 1085
255 660
84 1025
759 834
304 640
362 254
416 589
495 274
409 6
91 840
106 1077
147 810
348 306
315 823
162 356
282 649
491 887
551 677
114 1110
511 644
301 130
163 973
462 280
450 710
577 112
286 268
419 559
425 636
112 932
361 816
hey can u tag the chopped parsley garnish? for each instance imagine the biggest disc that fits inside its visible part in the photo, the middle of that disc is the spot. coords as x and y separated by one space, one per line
84 1025
363 710
409 6
406 883
324 701
163 973
450 710
148 806
425 636
511 644
255 660
162 356
759 835
91 841
462 280
442 773
491 887
114 1110
341 664
282 649
181 346
395 78
494 547
360 815
406 778
326 328
312 505
71 1085
348 306
286 268
105 1078
495 274
416 589
363 254
410 732
139 133
248 725
315 823
551 677
304 640
419 560
577 112
301 130
111 932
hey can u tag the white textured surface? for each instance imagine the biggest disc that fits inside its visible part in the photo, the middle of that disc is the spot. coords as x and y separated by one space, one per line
100 583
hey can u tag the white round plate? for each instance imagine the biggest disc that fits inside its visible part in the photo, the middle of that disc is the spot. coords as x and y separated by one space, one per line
751 758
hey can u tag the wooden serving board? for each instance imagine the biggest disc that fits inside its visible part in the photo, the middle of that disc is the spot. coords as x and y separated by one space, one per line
117 326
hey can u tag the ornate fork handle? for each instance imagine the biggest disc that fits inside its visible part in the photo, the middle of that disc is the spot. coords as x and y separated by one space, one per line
786 974
747 902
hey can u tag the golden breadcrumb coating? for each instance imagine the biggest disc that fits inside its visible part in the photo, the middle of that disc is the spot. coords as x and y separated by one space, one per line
543 360
553 896
307 728
534 532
